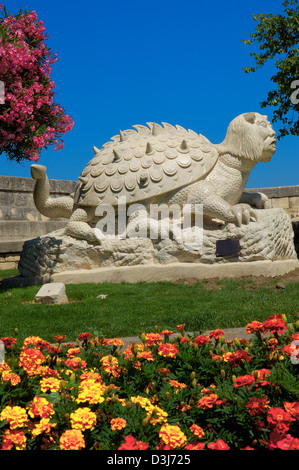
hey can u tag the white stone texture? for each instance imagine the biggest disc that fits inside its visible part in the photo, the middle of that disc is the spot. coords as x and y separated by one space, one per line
52 293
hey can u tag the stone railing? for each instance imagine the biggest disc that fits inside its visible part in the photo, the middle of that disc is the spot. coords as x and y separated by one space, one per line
20 220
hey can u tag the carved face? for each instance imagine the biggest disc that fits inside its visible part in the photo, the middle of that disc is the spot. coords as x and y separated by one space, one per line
267 134
250 136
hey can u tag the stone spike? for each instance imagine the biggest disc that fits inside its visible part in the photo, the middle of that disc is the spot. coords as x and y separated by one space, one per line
184 145
116 155
82 179
155 129
122 136
149 149
96 150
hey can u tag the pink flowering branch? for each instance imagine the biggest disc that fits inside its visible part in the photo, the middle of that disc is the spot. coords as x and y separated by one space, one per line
29 118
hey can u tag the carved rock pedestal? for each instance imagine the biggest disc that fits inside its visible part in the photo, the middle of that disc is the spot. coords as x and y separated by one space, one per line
225 251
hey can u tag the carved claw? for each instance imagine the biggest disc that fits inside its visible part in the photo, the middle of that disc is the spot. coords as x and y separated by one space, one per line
243 213
38 171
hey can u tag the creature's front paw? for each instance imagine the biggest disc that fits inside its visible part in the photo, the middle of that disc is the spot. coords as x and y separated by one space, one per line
242 213
263 202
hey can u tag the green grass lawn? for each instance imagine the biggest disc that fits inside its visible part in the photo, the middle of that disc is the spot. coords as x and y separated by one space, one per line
130 309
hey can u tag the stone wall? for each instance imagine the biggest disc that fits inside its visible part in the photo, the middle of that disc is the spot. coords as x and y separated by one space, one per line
20 220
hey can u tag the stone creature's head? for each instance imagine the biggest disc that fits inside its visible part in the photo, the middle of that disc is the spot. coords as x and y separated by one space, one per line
250 136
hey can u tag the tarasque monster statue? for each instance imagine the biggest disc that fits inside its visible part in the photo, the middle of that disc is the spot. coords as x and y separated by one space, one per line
155 165
166 164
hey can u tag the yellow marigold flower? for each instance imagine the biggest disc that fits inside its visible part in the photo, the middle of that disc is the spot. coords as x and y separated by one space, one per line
83 418
91 391
41 407
117 424
13 439
156 415
44 426
73 352
72 439
50 384
16 416
91 375
14 379
172 436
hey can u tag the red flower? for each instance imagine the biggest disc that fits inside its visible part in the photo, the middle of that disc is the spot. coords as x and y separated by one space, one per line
246 380
279 420
131 444
218 445
216 334
201 340
274 324
257 406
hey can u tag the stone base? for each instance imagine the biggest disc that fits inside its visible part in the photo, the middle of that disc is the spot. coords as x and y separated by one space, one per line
270 239
176 271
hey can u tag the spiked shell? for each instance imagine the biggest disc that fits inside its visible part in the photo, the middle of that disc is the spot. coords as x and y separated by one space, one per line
145 163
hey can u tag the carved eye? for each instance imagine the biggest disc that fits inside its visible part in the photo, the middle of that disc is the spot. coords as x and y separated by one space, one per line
263 123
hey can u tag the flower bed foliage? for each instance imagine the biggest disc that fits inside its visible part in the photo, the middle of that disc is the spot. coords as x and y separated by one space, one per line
171 391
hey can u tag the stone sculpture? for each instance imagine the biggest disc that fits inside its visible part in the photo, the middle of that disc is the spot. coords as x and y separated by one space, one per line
163 164
169 165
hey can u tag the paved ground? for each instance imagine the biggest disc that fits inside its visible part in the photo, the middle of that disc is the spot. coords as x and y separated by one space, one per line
229 335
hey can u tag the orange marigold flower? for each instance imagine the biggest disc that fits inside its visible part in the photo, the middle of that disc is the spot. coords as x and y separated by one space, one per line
111 366
113 342
41 407
172 436
75 363
254 326
208 401
168 350
181 327
72 352
35 341
51 384
31 361
197 430
153 338
288 443
218 445
177 385
83 418
72 439
292 408
16 416
148 355
13 439
257 406
117 424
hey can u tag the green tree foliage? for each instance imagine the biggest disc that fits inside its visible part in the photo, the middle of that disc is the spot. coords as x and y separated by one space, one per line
277 38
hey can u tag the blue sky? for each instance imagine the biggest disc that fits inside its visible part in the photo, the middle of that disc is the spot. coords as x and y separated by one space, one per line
130 62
